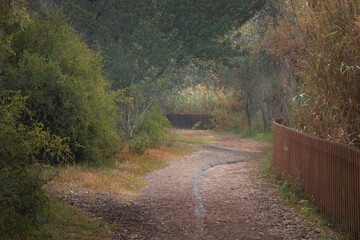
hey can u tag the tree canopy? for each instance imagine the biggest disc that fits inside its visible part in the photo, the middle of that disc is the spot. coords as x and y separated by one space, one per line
142 39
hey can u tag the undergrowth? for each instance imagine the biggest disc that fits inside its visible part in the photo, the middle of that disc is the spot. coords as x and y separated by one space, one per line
64 221
294 197
256 134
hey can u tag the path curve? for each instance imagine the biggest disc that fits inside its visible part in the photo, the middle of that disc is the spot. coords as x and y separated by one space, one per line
212 194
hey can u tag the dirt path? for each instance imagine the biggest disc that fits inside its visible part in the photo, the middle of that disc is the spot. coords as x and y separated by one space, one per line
213 194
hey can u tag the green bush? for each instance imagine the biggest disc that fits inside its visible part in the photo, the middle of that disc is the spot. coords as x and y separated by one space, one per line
149 133
154 125
22 147
139 143
22 202
67 92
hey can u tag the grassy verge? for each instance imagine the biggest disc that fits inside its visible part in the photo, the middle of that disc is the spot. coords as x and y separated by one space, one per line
122 181
64 221
187 140
256 134
294 197
124 176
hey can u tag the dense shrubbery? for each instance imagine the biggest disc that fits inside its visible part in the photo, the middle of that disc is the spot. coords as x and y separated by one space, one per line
155 124
139 143
64 82
149 133
22 146
54 108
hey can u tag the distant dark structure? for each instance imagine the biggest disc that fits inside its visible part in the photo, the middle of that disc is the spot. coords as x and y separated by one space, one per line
188 121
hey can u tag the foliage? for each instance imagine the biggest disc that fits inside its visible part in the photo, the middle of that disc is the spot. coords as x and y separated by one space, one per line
320 42
134 107
196 126
149 133
64 84
152 36
13 19
22 146
234 93
65 99
198 99
154 125
252 74
145 43
139 143
228 113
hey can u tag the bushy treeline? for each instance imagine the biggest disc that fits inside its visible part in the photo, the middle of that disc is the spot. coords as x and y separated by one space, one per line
147 43
55 108
63 81
44 59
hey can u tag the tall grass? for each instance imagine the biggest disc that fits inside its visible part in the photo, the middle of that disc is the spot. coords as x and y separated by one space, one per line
320 40
196 100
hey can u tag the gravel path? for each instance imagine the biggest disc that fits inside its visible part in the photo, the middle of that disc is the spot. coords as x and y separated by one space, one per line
213 194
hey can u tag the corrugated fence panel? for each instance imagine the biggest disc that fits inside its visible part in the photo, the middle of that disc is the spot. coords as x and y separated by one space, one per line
328 172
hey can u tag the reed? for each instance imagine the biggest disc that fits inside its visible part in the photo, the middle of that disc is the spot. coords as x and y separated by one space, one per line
320 41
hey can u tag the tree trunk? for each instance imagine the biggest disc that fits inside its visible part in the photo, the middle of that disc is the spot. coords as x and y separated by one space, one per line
265 115
248 116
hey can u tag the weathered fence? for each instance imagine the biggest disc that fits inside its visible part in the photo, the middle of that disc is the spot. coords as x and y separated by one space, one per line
328 172
189 120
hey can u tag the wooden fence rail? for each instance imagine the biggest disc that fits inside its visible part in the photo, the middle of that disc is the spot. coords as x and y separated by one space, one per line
328 172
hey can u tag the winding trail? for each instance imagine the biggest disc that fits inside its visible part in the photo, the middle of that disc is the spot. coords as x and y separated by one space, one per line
212 194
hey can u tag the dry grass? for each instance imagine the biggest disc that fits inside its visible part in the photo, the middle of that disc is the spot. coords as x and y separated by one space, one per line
121 185
122 179
125 177
320 42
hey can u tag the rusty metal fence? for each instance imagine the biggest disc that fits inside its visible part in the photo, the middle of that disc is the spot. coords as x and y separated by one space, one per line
328 172
188 121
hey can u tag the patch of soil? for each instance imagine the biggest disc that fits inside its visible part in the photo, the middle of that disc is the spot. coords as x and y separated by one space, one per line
203 196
